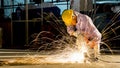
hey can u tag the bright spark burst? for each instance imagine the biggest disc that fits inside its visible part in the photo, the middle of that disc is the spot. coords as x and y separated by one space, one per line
76 57
73 56
68 55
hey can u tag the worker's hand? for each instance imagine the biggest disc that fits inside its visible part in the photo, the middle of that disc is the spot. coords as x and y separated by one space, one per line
73 33
90 42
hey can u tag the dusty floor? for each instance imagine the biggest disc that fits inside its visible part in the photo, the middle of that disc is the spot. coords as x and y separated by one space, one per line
75 65
105 61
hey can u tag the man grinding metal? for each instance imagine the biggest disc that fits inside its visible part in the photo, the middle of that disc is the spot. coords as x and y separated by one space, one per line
81 25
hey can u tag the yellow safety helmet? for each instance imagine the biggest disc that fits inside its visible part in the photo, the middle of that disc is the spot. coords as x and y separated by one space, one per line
67 17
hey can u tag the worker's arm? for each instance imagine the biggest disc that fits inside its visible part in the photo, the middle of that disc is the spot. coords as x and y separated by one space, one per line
92 33
94 39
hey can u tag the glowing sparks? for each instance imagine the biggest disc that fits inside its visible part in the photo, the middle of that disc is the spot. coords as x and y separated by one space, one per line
68 55
73 57
76 57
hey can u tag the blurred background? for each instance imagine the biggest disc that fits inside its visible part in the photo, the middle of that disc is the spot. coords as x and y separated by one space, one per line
19 19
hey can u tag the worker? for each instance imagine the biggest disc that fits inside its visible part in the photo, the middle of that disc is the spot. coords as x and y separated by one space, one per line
80 24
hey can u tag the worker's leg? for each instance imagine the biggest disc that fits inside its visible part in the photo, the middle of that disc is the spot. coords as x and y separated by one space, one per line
97 50
92 54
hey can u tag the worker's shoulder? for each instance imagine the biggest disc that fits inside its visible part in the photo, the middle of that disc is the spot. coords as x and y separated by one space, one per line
81 15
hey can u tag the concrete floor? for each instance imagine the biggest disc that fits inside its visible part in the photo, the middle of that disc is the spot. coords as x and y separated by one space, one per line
110 65
105 61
